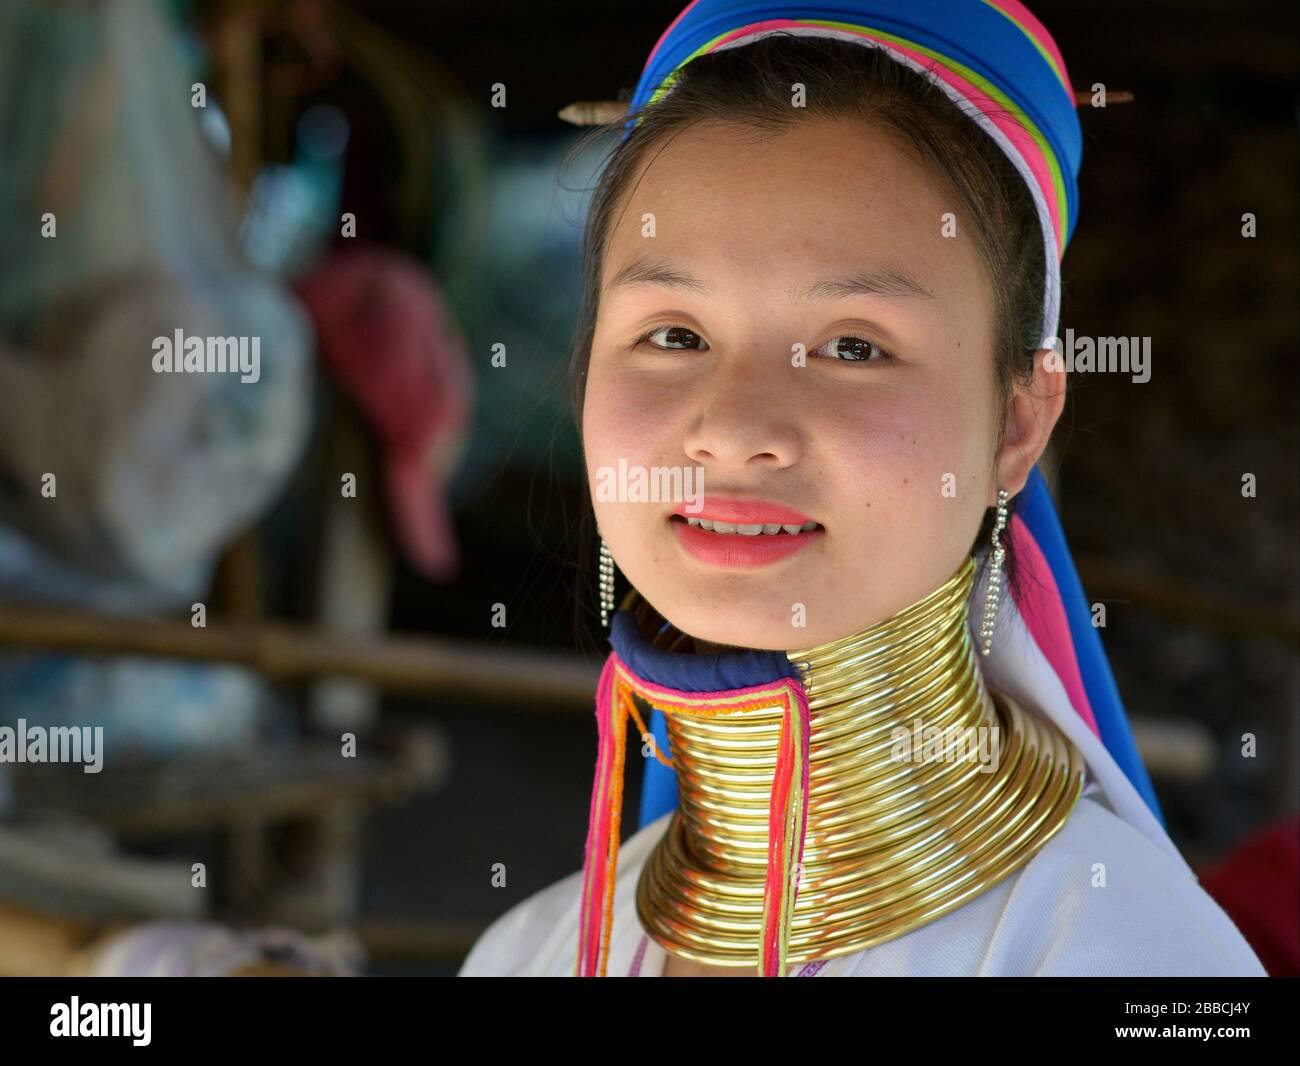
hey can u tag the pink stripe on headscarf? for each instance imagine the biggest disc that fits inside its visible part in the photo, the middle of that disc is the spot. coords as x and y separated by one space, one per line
1046 620
664 36
1028 149
1013 9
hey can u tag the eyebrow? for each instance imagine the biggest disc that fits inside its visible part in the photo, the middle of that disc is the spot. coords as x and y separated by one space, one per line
885 281
645 270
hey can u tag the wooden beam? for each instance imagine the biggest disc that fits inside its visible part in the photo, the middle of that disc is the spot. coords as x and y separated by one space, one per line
395 662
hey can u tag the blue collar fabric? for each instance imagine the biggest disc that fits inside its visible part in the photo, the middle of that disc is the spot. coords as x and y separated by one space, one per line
693 672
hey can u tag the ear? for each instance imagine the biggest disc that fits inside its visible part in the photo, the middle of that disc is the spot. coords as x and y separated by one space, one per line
1031 415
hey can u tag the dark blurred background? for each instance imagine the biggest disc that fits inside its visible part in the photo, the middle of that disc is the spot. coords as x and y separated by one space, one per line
327 613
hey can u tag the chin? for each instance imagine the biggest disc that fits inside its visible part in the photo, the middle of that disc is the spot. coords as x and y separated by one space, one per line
761 625
741 636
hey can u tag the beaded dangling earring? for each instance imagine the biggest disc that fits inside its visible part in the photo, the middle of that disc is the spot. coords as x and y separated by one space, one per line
606 584
993 589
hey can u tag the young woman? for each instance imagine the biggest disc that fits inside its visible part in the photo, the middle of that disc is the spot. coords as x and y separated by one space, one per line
822 284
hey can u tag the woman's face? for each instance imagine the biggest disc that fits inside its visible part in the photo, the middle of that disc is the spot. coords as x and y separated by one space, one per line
731 251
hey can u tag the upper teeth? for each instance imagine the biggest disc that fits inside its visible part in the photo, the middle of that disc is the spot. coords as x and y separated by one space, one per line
748 530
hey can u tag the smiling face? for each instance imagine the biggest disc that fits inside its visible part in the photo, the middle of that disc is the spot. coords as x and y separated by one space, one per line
827 235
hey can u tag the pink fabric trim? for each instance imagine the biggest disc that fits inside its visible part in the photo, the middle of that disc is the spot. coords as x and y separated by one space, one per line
676 695
1046 622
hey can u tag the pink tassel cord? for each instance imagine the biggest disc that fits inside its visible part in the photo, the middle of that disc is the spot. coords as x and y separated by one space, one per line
597 874
787 820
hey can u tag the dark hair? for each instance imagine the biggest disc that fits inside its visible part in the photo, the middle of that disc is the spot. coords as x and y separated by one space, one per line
751 85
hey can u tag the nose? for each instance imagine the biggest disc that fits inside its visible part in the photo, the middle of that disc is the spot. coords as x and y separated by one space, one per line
746 417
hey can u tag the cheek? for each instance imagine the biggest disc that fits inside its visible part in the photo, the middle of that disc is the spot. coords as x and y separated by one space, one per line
909 458
628 416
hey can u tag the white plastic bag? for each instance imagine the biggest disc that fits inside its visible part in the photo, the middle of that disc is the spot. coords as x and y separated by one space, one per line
152 472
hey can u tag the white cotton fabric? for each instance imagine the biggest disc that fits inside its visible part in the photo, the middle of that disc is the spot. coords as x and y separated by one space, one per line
1050 919
1017 666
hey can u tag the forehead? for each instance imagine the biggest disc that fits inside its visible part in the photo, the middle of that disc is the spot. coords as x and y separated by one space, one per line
740 204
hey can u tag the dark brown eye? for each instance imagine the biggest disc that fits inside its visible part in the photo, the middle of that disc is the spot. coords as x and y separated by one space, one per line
852 349
676 338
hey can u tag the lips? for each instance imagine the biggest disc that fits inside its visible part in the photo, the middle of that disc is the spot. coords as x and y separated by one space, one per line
746 512
742 534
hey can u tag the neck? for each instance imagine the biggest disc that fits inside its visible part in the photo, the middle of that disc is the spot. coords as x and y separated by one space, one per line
905 751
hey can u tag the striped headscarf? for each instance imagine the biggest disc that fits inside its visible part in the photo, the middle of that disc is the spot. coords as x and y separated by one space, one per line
995 61
1000 66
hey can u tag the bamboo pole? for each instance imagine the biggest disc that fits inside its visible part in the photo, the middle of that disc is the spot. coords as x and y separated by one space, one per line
281 652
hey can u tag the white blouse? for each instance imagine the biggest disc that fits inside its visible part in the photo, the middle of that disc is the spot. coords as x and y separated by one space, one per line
1056 916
